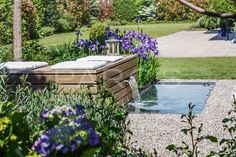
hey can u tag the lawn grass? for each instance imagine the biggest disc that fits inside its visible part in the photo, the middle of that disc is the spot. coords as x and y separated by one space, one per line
198 68
154 30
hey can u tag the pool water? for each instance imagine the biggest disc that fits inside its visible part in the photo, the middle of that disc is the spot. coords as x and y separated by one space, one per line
173 98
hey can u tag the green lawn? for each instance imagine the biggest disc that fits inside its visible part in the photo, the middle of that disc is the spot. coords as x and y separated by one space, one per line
198 68
154 30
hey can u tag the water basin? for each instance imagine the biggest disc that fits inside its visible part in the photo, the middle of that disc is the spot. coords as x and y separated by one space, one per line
173 97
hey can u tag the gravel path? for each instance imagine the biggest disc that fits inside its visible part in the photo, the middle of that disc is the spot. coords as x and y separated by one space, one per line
159 130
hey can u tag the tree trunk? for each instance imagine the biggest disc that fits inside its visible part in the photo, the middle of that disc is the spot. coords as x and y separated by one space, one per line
17 38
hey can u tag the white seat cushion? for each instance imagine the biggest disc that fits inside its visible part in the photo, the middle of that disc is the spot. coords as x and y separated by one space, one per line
83 65
101 58
13 67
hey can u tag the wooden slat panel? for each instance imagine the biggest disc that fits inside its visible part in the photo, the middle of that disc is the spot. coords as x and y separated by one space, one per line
123 84
76 79
118 87
121 77
119 69
78 88
123 93
125 99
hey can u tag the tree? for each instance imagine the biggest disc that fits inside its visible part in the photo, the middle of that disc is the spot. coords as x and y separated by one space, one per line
17 30
208 13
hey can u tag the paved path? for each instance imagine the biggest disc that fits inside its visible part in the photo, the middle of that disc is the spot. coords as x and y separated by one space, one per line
195 44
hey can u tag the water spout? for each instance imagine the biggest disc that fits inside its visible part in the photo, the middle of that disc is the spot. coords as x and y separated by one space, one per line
134 87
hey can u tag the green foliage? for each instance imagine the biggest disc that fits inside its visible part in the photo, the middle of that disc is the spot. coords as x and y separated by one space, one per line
33 51
47 31
147 10
97 32
108 117
147 70
207 22
125 10
6 22
195 136
223 6
94 9
6 53
65 52
30 21
111 124
50 13
171 10
228 145
62 25
14 131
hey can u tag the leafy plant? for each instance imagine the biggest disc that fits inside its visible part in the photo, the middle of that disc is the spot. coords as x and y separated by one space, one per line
111 124
228 145
124 10
195 133
97 32
62 25
47 31
14 131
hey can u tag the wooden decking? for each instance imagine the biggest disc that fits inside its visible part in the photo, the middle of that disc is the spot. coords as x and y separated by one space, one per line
113 76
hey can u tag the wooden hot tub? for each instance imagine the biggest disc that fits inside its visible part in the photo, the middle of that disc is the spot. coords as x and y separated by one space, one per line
114 76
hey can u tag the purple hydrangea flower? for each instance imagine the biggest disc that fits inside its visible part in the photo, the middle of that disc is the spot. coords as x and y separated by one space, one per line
71 131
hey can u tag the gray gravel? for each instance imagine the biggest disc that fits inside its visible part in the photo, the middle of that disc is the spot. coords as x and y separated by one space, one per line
159 130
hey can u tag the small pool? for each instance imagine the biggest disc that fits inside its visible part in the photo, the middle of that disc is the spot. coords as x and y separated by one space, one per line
173 97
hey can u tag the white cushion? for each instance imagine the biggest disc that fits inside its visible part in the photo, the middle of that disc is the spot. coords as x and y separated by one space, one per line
22 66
101 58
73 65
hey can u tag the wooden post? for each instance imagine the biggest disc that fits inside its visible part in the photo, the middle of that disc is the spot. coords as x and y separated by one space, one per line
17 38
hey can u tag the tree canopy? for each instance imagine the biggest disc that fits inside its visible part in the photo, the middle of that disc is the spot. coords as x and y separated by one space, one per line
218 8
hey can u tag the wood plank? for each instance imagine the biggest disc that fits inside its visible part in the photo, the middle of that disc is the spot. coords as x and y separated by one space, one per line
121 77
78 88
123 93
126 99
119 69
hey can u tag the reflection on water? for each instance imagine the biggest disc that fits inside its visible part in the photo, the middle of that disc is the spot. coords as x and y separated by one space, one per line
173 98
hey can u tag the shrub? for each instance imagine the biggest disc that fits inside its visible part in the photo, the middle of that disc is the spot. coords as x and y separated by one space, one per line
14 131
97 32
6 53
33 51
62 25
6 22
171 10
106 10
108 118
125 10
50 13
30 20
65 52
208 22
47 31
147 10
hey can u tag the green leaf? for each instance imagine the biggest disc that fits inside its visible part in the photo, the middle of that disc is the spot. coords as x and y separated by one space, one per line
185 131
212 139
171 147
